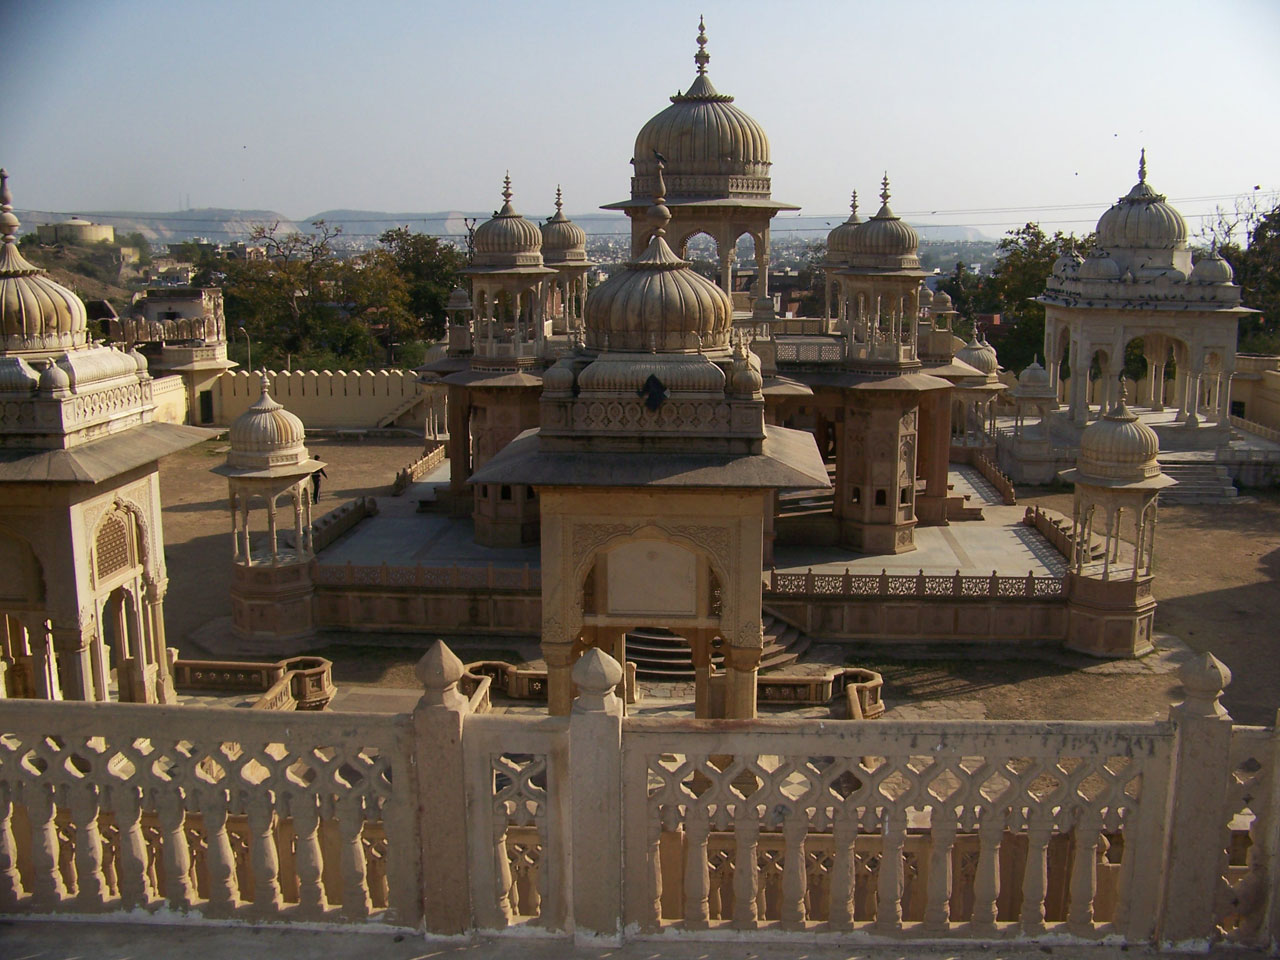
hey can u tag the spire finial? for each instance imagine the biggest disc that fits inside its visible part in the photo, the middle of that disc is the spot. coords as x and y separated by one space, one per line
559 199
8 222
660 211
853 206
506 187
701 58
884 188
1142 166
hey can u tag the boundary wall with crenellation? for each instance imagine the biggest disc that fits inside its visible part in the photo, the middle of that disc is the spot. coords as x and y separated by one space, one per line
323 399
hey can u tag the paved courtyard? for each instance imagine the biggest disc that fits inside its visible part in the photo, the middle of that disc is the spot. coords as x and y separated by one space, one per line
1218 584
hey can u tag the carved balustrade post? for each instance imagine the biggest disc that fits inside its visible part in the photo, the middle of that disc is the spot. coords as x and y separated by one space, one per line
220 861
438 721
46 883
1197 808
305 809
10 882
131 871
595 792
91 887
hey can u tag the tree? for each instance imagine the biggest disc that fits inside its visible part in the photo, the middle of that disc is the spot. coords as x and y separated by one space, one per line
1024 261
1257 270
429 271
139 243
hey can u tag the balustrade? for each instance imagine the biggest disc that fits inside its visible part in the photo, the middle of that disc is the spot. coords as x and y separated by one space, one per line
599 825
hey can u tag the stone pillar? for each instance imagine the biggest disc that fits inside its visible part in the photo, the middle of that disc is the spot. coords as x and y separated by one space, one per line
742 665
595 789
438 724
560 659
74 646
1194 822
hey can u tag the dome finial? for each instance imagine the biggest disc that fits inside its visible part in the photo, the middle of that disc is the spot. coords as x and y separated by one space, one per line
506 187
1142 166
853 206
884 188
559 199
8 222
701 58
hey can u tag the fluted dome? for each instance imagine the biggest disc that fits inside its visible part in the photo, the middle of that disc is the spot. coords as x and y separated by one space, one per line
507 239
657 303
1212 269
1033 381
941 301
267 437
1142 219
1099 266
840 240
926 297
980 355
1067 264
562 239
702 134
885 234
1118 446
36 314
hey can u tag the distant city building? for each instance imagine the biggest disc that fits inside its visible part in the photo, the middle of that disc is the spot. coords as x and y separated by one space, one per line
76 230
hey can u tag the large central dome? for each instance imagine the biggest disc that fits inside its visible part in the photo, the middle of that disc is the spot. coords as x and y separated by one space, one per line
703 139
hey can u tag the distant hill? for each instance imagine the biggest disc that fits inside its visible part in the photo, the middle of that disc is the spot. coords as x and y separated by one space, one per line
218 224
223 225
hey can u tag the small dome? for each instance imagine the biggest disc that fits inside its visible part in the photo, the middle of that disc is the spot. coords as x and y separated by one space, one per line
885 234
840 240
702 133
1099 266
926 296
267 436
1067 264
1033 381
941 301
1118 446
54 379
981 356
507 239
36 314
17 376
1142 219
1212 269
562 239
558 379
680 373
657 303
458 300
744 377
139 360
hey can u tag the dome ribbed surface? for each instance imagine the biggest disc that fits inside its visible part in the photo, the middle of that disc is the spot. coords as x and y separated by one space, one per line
36 314
266 435
702 132
1119 446
840 240
980 355
562 239
507 239
1142 218
1212 269
657 302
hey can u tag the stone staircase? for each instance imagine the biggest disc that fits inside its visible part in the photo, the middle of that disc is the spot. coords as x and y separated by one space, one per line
1197 483
664 656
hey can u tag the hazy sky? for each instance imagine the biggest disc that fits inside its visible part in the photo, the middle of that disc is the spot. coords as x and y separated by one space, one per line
979 111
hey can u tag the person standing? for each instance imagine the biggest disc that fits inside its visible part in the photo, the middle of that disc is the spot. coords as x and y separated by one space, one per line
315 484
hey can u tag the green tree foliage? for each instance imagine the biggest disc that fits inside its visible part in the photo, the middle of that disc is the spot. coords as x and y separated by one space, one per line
1024 261
139 243
429 270
1257 269
304 304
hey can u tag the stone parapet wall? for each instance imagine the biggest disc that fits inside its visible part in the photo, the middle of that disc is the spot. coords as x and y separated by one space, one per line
169 394
341 399
455 820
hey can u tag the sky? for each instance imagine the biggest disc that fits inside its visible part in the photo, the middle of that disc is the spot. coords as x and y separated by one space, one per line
984 114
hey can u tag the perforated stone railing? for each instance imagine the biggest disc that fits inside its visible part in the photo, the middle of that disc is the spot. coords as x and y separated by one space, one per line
607 827
820 351
912 586
218 813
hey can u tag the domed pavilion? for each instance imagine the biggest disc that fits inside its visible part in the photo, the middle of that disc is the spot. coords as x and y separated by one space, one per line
268 467
1139 282
1117 481
714 159
81 543
564 250
656 473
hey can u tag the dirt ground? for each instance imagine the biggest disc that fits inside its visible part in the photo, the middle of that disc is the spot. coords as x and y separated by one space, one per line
1217 583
